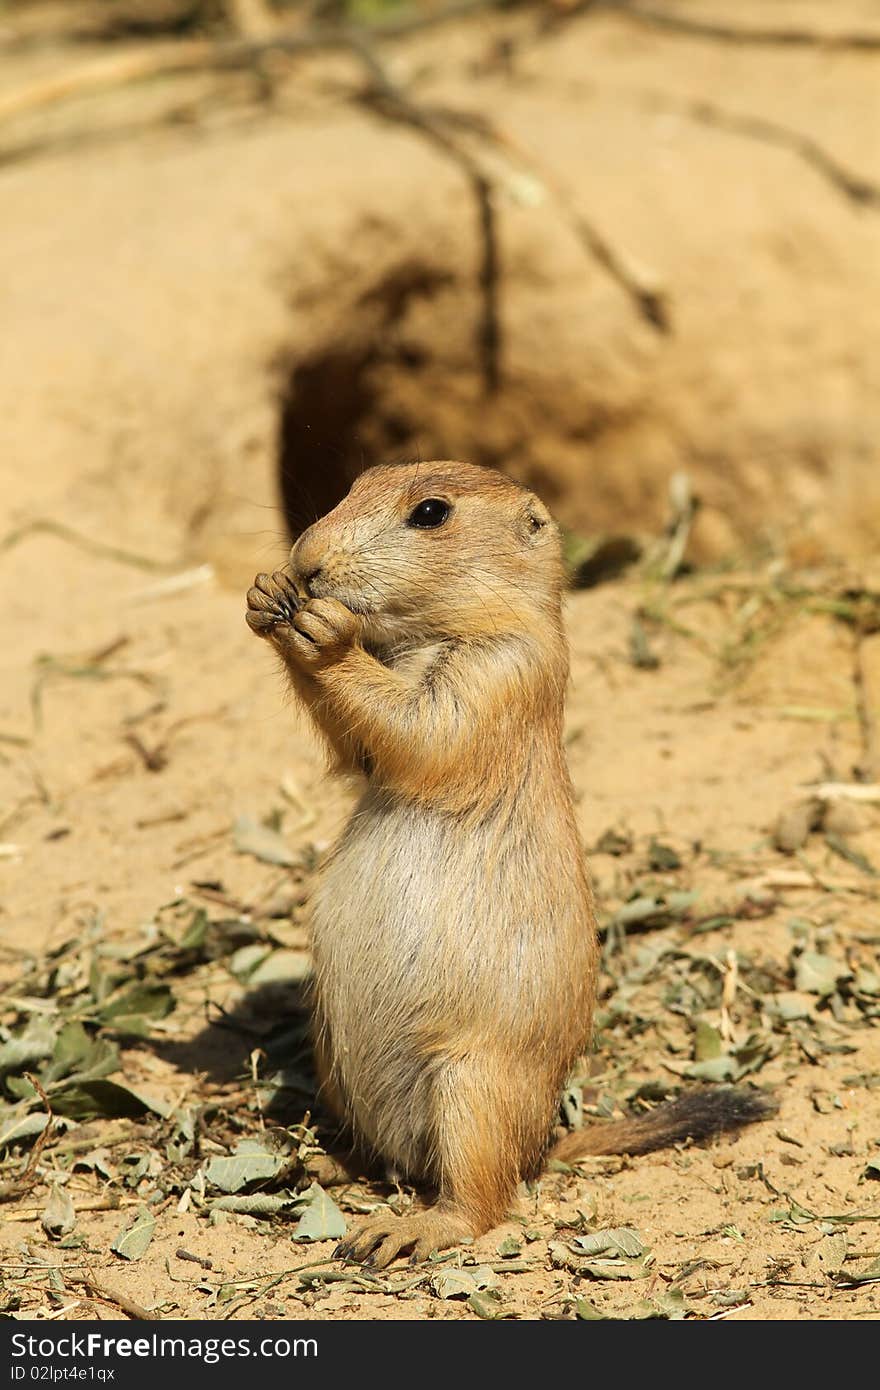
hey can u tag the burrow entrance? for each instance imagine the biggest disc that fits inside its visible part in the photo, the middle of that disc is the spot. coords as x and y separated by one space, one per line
398 376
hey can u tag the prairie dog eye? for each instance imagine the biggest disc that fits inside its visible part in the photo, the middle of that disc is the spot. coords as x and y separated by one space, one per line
428 514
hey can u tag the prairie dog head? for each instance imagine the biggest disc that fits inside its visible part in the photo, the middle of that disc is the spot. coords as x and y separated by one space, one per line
425 551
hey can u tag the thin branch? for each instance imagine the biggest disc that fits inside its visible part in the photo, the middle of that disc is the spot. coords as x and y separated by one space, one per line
642 288
191 55
647 16
11 1191
388 100
853 186
108 1295
46 526
97 21
384 97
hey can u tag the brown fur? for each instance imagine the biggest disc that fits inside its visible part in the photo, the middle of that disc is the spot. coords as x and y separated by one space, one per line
454 934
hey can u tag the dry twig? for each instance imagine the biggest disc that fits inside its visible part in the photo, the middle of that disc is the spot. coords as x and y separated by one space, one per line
694 27
11 1191
855 187
108 1295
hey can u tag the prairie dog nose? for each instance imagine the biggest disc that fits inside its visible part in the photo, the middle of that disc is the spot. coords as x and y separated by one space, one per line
305 560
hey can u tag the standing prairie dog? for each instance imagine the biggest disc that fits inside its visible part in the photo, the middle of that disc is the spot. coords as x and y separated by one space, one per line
454 936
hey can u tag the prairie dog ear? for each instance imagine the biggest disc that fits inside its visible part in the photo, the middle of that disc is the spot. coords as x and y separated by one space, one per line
534 521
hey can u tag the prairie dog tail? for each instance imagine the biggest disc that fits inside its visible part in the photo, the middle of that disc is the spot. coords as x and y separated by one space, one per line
698 1114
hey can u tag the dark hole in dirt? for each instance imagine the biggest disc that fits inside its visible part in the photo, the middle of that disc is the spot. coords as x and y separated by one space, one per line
399 376
351 403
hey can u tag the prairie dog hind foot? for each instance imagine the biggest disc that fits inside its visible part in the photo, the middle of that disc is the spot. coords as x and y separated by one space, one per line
381 1239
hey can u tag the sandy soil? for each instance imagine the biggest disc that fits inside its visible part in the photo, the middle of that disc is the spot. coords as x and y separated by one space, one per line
181 253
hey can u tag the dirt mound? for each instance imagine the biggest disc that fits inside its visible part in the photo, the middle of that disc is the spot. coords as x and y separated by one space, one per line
176 242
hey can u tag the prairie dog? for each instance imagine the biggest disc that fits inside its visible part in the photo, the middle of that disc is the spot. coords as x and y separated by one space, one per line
454 935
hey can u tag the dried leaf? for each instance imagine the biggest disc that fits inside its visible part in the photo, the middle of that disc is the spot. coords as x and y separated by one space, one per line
256 1203
89 1100
509 1248
614 1267
869 1275
462 1283
620 1240
656 911
33 1045
282 966
707 1042
129 1010
487 1304
585 1311
793 828
830 1253
250 837
132 1242
817 974
322 1219
247 1165
662 858
59 1217
838 846
16 1125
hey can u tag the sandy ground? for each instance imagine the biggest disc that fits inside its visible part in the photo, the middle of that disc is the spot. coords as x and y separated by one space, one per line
139 718
98 843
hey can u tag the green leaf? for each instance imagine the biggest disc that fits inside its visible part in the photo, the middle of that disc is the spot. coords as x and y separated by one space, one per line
33 1045
866 981
89 1100
79 1057
72 1046
662 858
194 937
322 1219
707 1042
132 1242
15 1125
139 1001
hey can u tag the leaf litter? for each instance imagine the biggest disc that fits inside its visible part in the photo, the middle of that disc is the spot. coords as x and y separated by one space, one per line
688 995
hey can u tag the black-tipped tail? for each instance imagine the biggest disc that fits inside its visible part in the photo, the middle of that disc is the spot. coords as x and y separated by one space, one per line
697 1115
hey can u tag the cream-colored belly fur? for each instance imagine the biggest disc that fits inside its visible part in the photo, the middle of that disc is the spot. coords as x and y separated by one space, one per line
435 945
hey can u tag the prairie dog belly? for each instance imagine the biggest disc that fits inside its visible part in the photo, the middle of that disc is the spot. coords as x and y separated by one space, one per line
429 940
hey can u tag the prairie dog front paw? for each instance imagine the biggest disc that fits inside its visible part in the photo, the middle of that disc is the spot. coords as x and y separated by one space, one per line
272 603
322 629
